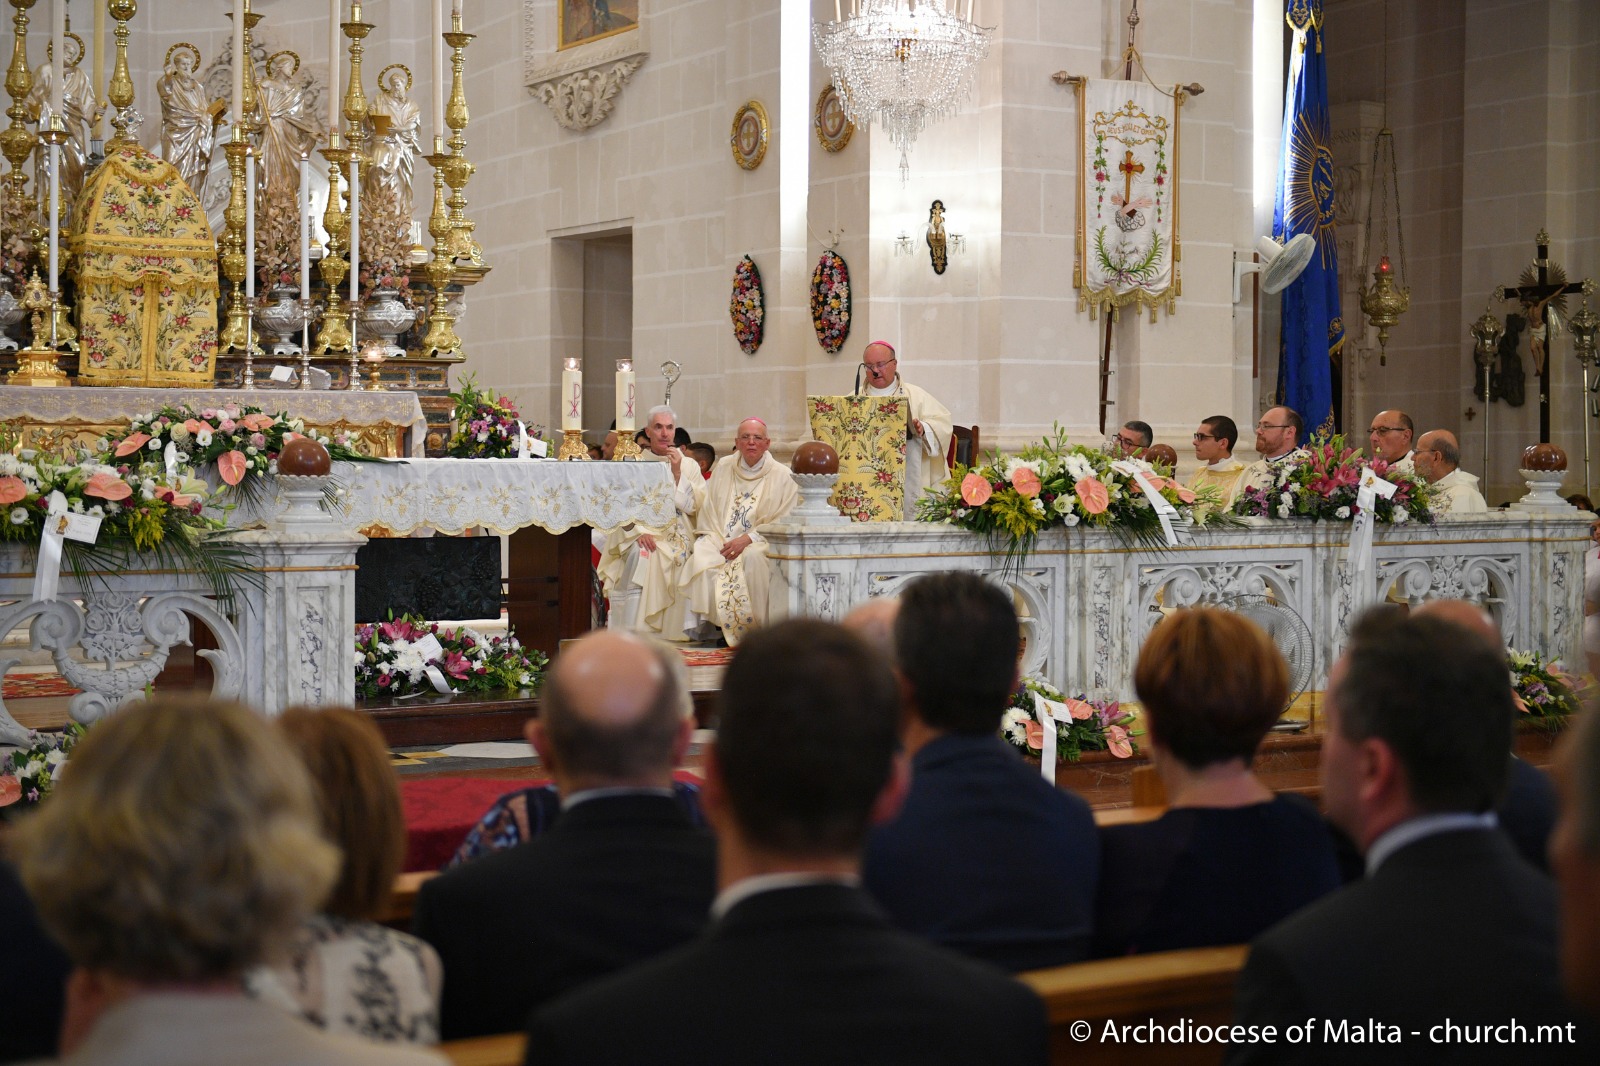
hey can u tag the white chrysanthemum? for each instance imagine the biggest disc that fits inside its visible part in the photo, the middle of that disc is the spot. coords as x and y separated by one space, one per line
9 465
19 516
1014 724
1400 516
1283 511
1343 512
1071 518
1014 464
55 758
1078 467
1286 498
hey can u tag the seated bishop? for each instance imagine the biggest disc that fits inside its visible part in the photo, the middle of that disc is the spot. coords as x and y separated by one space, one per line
642 569
726 579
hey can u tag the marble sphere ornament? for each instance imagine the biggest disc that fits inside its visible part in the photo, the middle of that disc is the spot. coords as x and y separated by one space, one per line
304 457
815 457
1543 457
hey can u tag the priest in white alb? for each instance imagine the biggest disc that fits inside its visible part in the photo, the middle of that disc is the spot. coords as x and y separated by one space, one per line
727 577
928 423
1451 489
642 569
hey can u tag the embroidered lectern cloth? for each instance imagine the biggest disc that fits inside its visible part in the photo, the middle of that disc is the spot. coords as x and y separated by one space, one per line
869 433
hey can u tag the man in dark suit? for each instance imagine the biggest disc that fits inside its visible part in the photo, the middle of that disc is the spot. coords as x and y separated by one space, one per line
1446 951
986 857
620 876
1575 857
798 965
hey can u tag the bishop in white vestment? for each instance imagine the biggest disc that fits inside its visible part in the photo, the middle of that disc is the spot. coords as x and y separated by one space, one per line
928 424
727 577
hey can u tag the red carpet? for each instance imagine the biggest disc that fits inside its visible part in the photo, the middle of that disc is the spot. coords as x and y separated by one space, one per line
440 810
22 686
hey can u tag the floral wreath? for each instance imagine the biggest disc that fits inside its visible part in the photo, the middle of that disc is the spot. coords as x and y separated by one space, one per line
747 306
830 301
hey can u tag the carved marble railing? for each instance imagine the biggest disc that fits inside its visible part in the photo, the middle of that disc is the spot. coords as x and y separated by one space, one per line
1088 600
287 640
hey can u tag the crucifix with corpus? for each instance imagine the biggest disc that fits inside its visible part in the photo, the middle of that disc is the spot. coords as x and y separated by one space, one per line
1543 284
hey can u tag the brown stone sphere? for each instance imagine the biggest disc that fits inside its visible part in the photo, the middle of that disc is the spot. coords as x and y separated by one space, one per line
1163 454
304 457
1543 457
815 457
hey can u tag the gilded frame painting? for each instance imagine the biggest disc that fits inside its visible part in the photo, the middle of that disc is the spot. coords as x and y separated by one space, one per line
578 22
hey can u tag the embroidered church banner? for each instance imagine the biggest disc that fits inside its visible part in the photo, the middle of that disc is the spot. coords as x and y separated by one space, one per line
1128 247
869 433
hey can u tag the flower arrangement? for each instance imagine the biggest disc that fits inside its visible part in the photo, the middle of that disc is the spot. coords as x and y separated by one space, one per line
486 428
1014 498
29 774
1323 483
385 242
1542 689
746 306
278 244
392 659
1096 725
16 250
830 301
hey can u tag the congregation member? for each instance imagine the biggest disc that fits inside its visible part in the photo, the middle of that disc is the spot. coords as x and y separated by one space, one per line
726 579
986 857
344 972
642 569
1437 460
180 850
1391 435
873 621
608 447
1575 858
798 966
1591 600
928 422
620 876
1131 440
33 973
1229 858
705 455
1278 434
1449 925
1213 447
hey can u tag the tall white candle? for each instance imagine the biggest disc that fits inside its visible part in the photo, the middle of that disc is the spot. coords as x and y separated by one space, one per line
58 49
305 227
333 66
55 220
572 395
238 62
99 57
625 386
249 225
438 68
355 231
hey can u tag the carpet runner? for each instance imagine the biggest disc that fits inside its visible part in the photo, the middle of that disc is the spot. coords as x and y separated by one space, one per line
25 686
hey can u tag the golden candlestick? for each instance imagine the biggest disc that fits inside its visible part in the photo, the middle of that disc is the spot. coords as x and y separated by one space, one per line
60 332
572 446
334 334
441 338
36 364
17 142
236 333
459 170
355 98
120 93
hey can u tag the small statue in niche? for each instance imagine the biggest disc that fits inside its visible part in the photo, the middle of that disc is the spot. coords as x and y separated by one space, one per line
1508 382
937 247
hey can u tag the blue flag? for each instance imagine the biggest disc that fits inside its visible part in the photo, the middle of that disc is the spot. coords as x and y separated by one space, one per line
1313 329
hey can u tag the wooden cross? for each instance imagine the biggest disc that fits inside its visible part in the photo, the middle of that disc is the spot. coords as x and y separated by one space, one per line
1129 168
1536 298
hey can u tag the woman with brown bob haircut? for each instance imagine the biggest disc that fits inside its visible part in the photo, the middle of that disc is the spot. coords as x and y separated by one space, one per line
1228 859
347 973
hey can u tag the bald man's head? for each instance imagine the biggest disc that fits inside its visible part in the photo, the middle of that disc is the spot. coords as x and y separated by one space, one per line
873 622
1465 615
613 712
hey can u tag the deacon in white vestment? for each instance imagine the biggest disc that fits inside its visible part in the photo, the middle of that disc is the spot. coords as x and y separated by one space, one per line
928 423
727 577
1453 490
642 569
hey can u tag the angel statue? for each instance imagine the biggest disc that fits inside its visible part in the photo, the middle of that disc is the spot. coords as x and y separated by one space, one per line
188 118
80 113
396 137
288 132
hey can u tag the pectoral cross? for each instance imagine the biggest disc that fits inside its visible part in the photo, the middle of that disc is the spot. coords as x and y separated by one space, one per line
1129 168
1536 299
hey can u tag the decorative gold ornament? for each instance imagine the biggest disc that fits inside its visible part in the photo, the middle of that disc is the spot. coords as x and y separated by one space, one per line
17 142
249 108
833 126
1384 303
460 170
627 448
333 337
355 98
36 364
236 331
572 446
441 338
748 137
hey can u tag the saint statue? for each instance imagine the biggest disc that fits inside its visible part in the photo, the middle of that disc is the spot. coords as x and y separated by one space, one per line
188 118
81 112
287 131
396 137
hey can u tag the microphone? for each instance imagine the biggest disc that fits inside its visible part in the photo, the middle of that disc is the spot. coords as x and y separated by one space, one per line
859 368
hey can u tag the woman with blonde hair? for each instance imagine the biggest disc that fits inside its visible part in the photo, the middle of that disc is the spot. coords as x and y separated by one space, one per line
180 849
345 972
1228 859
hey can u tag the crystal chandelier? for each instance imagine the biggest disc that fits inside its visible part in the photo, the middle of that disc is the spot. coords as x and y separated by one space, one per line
905 63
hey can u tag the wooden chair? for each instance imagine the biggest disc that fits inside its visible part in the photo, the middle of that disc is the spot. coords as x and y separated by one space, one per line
963 446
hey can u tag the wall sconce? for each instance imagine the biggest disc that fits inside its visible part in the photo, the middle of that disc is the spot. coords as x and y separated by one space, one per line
940 244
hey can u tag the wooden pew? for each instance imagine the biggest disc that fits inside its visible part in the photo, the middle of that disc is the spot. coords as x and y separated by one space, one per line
1166 988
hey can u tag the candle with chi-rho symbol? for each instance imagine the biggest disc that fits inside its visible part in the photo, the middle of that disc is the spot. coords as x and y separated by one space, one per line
572 394
625 383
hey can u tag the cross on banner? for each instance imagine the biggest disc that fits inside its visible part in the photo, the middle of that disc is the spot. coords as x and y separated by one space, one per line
1536 293
1128 168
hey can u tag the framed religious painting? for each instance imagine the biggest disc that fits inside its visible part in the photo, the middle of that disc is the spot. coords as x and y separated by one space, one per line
833 128
582 21
748 138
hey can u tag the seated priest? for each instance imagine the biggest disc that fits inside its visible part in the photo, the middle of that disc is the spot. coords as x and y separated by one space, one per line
1438 460
726 578
1391 435
641 568
1213 446
928 423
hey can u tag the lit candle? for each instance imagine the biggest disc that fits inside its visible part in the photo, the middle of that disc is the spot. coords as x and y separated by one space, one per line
355 232
438 67
238 62
571 395
58 49
333 67
625 383
305 227
249 224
